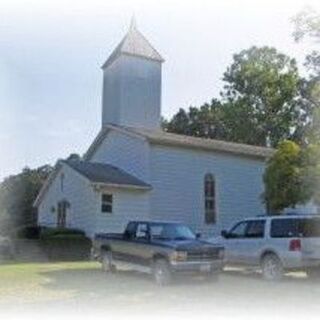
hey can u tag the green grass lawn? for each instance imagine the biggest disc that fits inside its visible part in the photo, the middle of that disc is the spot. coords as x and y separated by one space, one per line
26 282
83 286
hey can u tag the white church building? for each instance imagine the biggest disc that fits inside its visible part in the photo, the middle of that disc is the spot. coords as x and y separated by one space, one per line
134 170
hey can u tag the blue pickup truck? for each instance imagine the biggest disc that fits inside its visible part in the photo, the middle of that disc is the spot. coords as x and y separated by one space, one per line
162 248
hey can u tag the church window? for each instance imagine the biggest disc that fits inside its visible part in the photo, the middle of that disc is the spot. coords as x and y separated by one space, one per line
106 203
210 199
63 206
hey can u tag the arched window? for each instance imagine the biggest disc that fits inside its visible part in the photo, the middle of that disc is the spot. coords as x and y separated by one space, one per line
62 213
210 199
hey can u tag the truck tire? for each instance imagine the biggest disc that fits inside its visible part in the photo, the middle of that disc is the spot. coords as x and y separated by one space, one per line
161 272
213 277
106 261
272 269
313 273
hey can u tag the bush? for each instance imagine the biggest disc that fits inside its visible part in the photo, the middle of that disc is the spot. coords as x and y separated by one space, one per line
66 247
28 232
61 233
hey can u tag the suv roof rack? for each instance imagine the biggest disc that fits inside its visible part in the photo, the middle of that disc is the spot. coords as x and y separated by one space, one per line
288 214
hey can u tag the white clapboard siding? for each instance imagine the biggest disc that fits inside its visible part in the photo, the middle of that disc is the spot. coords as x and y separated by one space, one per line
177 177
79 193
126 152
132 92
127 205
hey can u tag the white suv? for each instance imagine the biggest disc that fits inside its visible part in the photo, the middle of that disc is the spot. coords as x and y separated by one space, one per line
275 243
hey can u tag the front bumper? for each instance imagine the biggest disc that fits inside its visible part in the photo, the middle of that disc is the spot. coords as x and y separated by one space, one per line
215 266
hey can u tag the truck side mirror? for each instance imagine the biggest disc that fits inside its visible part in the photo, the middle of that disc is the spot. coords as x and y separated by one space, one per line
127 235
224 234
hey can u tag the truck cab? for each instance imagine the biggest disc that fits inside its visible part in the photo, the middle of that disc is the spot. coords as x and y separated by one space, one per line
163 248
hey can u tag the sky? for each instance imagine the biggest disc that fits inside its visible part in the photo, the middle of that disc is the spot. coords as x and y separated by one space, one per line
51 53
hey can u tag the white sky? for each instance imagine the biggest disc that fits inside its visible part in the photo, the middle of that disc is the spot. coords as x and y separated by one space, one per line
51 53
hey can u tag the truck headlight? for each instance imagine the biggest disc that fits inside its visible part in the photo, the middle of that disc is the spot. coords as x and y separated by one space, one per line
179 256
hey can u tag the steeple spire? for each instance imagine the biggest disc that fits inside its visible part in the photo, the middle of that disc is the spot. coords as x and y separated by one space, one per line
134 44
133 23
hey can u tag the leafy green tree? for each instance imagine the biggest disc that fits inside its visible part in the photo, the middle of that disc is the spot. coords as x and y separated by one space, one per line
310 171
179 123
259 102
307 25
292 176
17 194
262 86
205 121
283 180
74 157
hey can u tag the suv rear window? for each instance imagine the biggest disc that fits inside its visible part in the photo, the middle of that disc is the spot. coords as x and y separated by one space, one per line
292 228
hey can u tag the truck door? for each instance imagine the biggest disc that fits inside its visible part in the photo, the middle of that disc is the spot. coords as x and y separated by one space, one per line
141 249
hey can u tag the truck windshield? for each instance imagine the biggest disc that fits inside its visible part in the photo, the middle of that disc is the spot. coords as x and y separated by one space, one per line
168 231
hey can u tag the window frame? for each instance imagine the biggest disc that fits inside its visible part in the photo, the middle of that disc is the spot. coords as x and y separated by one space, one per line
210 198
262 236
106 204
231 234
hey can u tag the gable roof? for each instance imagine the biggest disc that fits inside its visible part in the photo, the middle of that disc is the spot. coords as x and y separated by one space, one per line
134 44
161 137
107 174
96 173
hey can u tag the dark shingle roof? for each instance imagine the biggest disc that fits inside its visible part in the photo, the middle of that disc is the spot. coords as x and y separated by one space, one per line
106 174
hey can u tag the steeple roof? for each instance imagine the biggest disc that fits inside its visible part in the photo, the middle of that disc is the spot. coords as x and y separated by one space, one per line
134 44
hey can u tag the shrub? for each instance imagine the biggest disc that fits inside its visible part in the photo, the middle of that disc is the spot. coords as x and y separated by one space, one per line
28 232
69 246
61 233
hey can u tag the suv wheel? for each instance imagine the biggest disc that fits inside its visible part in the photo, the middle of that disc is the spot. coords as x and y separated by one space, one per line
314 273
213 277
161 272
272 268
106 262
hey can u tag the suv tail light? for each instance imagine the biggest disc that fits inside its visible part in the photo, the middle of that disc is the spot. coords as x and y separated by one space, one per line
295 245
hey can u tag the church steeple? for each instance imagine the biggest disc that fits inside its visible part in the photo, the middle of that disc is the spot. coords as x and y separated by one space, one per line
133 23
132 83
134 43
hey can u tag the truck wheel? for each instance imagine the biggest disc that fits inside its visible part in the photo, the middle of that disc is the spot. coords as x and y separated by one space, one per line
272 269
106 262
313 273
213 276
161 272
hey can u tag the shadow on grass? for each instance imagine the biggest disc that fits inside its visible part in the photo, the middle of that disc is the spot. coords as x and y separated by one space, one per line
96 283
252 274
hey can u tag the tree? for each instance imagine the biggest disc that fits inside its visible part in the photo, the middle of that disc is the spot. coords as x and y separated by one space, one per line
263 86
179 123
205 121
283 180
74 157
259 102
17 194
310 171
292 176
307 25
